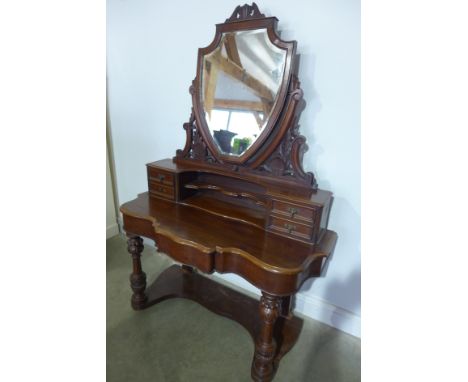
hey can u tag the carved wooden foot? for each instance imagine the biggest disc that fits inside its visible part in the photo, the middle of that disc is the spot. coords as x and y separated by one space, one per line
137 277
265 346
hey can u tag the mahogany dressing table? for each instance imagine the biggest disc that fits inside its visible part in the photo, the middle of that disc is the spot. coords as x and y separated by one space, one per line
236 199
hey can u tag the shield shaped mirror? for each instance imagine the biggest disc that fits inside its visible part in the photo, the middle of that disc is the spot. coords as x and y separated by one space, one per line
241 80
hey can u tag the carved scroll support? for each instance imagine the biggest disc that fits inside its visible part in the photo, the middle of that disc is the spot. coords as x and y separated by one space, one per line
265 346
286 159
189 128
195 147
137 277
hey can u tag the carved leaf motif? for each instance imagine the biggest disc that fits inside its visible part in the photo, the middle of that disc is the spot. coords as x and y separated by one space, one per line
269 308
195 148
198 149
135 246
188 127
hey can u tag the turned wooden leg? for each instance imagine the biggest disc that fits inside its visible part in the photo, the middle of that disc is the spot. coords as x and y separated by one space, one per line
265 346
137 277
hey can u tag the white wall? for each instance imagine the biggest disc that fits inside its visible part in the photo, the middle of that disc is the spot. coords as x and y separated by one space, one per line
152 51
112 228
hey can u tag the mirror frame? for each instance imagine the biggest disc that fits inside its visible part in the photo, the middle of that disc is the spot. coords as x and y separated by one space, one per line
242 22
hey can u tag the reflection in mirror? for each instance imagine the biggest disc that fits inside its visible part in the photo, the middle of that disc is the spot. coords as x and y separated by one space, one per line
240 85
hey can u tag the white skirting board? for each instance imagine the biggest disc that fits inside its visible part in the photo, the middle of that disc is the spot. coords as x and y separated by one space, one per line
112 230
323 311
307 305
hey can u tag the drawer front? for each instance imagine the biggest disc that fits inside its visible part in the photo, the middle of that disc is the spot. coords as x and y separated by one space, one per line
158 176
157 189
293 211
290 228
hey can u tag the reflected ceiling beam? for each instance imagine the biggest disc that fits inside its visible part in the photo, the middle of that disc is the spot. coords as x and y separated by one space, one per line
258 119
234 104
211 77
259 54
231 49
267 106
238 73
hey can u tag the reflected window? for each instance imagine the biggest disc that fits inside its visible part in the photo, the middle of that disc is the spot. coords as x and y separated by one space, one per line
240 85
237 129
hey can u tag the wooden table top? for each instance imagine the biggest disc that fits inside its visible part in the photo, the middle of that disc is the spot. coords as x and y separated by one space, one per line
214 235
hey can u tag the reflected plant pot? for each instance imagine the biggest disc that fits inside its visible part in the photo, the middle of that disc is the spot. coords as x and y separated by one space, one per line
242 146
224 137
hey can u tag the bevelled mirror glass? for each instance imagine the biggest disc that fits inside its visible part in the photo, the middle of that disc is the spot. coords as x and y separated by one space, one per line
241 80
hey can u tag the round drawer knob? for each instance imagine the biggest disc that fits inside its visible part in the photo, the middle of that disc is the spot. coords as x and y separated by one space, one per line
293 211
290 227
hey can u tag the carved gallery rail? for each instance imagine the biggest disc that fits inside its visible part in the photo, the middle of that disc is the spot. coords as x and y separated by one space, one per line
244 205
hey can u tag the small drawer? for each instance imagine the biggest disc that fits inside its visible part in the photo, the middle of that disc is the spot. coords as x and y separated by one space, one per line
161 177
291 228
293 211
157 189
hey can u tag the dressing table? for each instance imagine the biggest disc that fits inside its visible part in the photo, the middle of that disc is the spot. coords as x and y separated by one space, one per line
236 199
